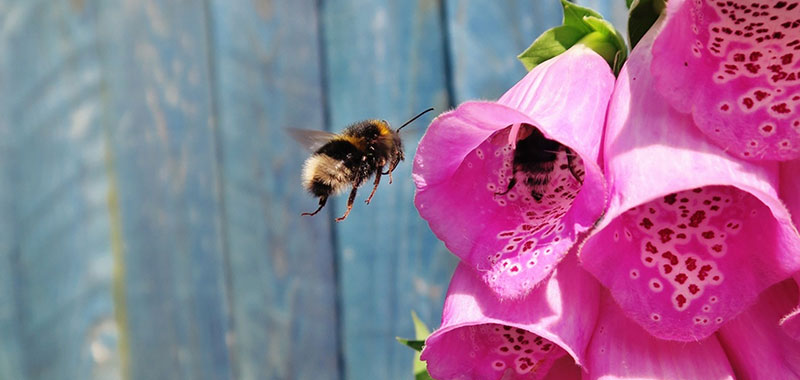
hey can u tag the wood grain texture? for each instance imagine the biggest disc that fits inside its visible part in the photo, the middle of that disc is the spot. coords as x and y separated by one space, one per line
11 355
283 287
161 137
56 256
384 59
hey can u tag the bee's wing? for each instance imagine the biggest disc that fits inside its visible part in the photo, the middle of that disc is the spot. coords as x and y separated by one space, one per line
310 139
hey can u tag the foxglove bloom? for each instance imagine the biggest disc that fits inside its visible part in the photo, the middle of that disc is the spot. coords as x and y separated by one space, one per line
561 326
569 328
734 66
500 218
482 337
692 235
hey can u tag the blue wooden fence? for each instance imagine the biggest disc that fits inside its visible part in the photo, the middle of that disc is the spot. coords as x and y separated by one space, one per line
150 198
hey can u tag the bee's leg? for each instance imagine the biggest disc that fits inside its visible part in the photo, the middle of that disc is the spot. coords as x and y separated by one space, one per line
511 183
350 201
571 164
391 169
377 181
537 195
322 201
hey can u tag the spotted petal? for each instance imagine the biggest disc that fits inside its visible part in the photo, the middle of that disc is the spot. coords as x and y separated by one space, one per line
484 338
465 172
757 347
692 235
621 350
734 66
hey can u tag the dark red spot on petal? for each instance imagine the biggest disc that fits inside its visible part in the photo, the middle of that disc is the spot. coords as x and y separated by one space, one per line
697 218
646 223
649 247
691 264
693 289
665 234
747 102
781 108
703 272
670 199
671 257
681 278
681 300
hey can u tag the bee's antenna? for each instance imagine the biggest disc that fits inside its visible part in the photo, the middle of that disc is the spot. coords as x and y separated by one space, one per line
414 118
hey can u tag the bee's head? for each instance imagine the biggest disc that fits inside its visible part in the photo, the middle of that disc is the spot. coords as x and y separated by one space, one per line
397 142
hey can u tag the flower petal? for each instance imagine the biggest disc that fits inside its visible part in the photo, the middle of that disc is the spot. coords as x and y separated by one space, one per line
734 66
465 169
790 322
790 194
621 350
484 338
564 369
790 188
676 246
756 346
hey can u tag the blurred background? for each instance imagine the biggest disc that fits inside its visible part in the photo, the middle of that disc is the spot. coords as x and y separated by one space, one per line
150 198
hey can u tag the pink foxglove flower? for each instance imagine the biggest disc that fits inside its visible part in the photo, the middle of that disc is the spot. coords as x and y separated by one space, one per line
692 235
734 66
482 337
476 187
563 325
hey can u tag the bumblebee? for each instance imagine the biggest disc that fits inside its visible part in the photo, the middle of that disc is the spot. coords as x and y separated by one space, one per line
350 158
536 156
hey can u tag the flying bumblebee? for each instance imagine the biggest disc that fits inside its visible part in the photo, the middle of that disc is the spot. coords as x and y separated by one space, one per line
351 157
536 156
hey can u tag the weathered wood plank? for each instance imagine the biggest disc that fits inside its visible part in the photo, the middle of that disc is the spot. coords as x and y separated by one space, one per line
56 259
486 36
162 147
385 59
283 287
11 363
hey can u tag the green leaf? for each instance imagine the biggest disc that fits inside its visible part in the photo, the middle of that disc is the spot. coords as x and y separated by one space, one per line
643 14
574 15
423 375
415 344
550 44
421 332
628 3
580 26
617 52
